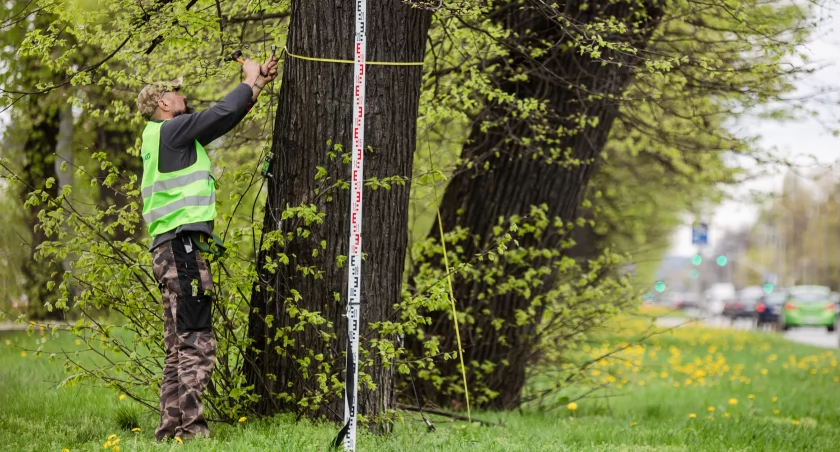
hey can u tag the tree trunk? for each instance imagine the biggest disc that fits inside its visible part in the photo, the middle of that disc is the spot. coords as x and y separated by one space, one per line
315 114
521 176
40 148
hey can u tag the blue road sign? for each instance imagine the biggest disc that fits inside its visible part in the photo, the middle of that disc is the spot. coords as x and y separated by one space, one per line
700 233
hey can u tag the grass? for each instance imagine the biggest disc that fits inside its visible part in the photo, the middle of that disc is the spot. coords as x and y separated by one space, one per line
746 391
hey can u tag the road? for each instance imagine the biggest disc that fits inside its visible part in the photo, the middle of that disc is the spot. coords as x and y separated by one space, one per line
812 336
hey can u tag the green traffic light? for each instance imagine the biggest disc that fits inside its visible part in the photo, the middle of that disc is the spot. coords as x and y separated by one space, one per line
768 288
697 260
721 260
660 286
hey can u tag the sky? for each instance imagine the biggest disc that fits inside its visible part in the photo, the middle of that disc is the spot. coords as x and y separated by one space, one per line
804 141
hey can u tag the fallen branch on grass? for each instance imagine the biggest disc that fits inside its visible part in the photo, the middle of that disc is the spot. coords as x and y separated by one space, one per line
444 414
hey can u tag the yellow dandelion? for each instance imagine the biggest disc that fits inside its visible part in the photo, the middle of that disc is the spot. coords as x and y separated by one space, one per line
107 444
663 375
733 401
795 422
122 396
751 396
116 448
111 437
243 419
775 411
135 429
632 424
179 440
725 414
23 354
692 416
711 409
8 342
763 371
65 450
774 399
572 406
116 441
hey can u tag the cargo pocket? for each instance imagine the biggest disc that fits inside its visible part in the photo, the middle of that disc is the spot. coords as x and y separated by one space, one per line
194 313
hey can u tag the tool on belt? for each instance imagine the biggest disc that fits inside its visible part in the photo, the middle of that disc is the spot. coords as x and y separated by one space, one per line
212 244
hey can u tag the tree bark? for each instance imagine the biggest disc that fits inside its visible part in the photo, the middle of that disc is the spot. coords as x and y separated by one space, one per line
571 85
315 109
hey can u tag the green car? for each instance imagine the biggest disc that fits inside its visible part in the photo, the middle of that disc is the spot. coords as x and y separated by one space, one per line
809 306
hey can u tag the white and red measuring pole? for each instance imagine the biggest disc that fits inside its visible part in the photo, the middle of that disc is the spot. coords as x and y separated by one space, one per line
354 280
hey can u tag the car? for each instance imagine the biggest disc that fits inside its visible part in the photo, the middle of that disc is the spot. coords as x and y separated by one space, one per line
744 304
717 296
768 308
809 306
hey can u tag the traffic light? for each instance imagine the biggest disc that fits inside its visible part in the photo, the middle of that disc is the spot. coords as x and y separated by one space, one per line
660 286
697 260
768 288
693 273
721 260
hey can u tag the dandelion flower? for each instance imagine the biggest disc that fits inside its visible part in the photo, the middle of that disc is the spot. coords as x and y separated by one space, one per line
116 448
795 422
243 419
135 429
711 409
775 411
725 414
179 440
106 445
733 401
112 437
122 396
774 399
572 406
8 342
65 450
751 396
692 416
23 354
763 371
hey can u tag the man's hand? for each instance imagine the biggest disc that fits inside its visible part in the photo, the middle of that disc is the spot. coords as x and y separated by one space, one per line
251 69
268 72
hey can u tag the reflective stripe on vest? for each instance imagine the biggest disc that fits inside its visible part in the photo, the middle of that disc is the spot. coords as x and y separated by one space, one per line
177 198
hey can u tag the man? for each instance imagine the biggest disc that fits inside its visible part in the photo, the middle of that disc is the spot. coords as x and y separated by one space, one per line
179 206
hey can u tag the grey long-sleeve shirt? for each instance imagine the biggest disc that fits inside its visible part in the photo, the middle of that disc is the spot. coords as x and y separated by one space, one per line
179 134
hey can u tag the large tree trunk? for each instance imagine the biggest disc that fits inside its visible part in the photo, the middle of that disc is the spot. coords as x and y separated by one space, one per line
568 83
315 109
40 148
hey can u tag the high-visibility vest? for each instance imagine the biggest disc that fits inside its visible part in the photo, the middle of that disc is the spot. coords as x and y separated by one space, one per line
177 198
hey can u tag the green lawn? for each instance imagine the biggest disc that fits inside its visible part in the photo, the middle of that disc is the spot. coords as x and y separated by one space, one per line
654 391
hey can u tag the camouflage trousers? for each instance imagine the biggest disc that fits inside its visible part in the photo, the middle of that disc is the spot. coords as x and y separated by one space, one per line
187 286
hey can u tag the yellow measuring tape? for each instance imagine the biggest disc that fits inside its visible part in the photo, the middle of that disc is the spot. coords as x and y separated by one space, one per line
333 60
